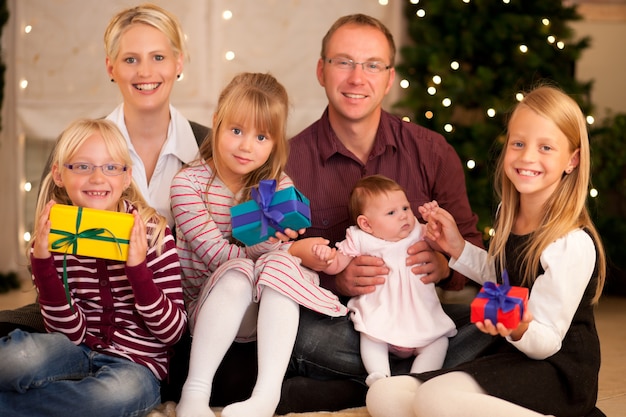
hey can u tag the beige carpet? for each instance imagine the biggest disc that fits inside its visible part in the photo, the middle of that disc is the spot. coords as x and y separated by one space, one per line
168 409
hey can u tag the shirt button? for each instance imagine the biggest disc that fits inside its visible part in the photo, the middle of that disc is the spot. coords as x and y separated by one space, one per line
325 222
104 283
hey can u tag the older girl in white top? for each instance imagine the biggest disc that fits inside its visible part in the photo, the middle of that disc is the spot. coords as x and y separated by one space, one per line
546 241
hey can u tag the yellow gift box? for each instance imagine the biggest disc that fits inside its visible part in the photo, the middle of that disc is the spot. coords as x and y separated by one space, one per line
90 232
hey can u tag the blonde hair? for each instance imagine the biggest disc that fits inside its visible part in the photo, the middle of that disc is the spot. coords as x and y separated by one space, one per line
367 188
147 14
360 20
72 138
263 99
566 208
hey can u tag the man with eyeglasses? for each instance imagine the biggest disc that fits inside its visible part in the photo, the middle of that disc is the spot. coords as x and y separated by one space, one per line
354 138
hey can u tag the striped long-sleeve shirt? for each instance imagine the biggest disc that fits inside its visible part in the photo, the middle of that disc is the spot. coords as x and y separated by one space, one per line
203 225
132 312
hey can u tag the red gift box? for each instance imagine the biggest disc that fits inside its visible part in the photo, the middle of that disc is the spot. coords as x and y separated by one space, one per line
500 304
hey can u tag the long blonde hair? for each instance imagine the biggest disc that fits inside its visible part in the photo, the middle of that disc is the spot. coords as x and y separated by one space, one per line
66 147
566 209
263 99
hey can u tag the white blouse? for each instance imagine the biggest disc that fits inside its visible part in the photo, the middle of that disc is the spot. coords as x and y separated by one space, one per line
568 263
179 148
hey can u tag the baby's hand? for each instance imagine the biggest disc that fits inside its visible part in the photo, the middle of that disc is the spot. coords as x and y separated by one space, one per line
324 253
427 208
442 229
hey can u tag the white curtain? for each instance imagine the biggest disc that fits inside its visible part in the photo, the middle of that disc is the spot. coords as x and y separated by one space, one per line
62 57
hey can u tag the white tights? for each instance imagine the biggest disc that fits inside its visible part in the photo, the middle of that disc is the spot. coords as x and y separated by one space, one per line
449 395
375 355
218 323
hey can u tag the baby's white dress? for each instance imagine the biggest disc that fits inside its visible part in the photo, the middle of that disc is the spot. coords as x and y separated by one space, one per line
404 311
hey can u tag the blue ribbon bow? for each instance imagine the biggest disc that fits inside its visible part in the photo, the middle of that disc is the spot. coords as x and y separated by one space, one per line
499 299
263 197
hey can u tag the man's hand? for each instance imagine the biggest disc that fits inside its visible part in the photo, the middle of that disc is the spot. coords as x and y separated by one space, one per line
424 260
361 276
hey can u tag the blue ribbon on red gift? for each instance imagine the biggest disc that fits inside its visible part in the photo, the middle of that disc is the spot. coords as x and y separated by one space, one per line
499 299
263 197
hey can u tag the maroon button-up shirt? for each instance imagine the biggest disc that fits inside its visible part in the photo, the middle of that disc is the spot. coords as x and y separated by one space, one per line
419 159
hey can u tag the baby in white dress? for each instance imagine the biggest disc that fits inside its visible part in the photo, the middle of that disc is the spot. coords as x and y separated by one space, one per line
403 316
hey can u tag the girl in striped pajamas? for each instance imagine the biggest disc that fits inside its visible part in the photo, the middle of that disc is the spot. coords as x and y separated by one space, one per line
233 292
107 348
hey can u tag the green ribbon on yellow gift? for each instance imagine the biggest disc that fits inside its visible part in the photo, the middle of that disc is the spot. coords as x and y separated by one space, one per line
70 240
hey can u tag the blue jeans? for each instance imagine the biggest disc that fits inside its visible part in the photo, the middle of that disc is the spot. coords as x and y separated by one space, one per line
329 347
44 374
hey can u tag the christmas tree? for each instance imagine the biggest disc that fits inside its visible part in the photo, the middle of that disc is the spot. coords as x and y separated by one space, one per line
466 65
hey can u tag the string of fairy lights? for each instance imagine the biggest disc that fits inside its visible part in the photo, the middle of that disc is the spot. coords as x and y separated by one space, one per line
437 80
433 88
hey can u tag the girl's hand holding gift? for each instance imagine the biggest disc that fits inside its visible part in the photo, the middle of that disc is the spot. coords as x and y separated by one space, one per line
289 234
138 247
500 329
40 247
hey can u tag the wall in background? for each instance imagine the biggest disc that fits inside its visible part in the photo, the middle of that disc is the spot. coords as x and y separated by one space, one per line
604 60
55 50
62 60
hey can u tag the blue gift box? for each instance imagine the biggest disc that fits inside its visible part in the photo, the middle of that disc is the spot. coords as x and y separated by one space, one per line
269 211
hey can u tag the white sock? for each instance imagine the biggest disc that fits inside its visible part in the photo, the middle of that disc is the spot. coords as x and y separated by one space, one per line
216 327
277 327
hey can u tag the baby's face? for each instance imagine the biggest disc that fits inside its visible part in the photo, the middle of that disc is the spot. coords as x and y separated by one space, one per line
390 216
